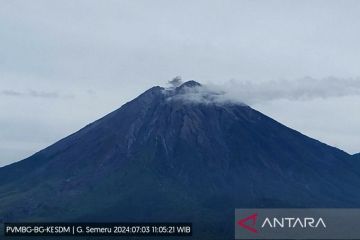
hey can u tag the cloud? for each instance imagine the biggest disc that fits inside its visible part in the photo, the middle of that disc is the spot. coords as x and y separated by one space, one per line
199 94
300 89
10 93
248 92
34 94
175 82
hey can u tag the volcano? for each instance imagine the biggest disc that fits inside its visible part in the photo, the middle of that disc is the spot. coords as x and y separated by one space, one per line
164 157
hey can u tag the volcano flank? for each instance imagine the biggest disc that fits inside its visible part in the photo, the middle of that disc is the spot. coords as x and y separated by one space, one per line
164 158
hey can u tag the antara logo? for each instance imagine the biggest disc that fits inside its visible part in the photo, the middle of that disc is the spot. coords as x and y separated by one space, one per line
249 223
291 222
251 218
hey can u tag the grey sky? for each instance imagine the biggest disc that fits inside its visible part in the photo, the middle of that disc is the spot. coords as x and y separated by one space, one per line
66 63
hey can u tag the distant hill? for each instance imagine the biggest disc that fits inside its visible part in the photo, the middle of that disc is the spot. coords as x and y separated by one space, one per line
162 157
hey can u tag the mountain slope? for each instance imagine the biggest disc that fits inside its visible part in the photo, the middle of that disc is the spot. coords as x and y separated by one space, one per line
163 158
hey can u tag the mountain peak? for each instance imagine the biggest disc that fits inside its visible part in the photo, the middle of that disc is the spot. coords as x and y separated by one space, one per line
190 83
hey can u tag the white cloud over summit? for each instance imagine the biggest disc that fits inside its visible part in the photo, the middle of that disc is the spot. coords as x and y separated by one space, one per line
251 92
